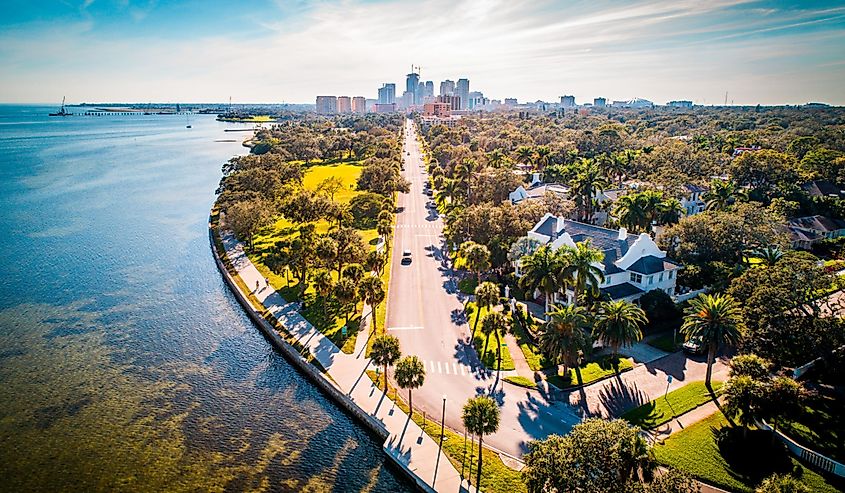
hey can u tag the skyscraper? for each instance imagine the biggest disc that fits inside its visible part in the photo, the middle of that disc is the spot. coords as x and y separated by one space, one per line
420 94
429 90
412 83
387 94
600 102
462 90
447 87
359 104
567 101
344 104
326 105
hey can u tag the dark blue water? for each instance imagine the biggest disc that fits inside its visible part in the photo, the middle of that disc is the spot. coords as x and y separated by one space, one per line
125 364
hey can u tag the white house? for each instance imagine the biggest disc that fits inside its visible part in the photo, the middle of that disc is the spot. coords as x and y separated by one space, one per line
693 202
633 264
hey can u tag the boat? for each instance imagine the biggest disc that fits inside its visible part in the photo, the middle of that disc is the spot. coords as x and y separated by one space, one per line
63 111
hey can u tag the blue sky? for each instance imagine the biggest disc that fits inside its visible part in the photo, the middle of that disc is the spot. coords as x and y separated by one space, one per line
768 52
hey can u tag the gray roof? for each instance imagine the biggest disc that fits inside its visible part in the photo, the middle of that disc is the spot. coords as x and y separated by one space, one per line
620 291
824 188
817 223
651 265
695 188
547 227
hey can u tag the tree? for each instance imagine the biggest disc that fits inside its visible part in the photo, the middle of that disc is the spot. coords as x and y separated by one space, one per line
486 296
410 374
618 324
629 210
743 400
346 294
375 261
542 271
722 195
715 319
764 171
588 180
323 283
247 218
597 456
782 483
783 398
354 272
673 481
476 257
385 352
494 323
769 254
371 290
563 338
750 365
480 417
583 268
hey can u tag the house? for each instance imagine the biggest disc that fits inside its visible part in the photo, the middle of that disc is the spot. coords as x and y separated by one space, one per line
824 188
633 264
693 201
805 231
537 190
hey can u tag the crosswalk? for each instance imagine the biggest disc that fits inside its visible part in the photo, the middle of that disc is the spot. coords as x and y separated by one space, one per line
447 368
419 226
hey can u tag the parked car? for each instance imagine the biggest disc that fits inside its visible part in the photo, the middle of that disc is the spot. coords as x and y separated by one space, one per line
695 345
406 257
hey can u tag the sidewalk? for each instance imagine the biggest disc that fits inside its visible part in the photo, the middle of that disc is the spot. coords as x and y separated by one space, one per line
407 443
681 422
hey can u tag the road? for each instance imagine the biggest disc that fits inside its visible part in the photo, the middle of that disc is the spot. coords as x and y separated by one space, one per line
425 311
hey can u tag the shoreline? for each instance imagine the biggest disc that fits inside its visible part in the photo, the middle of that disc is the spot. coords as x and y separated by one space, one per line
324 380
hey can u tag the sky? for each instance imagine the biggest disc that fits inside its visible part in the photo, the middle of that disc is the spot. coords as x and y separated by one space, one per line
759 52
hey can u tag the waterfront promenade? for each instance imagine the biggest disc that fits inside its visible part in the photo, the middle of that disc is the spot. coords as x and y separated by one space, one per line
407 444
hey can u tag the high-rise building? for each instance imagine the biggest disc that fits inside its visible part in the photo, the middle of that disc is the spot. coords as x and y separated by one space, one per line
462 90
453 101
420 94
412 84
406 101
326 105
476 98
511 102
344 104
359 104
567 101
447 87
387 94
600 102
429 90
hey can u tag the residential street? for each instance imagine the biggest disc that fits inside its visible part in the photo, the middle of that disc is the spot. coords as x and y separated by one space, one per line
425 312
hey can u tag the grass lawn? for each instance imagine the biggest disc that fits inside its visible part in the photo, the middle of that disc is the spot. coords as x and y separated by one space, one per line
718 454
522 382
667 342
535 359
820 427
496 477
591 372
680 401
490 357
326 315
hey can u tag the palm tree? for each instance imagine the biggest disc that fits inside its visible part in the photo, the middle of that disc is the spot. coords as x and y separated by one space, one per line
384 228
476 257
494 323
721 196
582 268
346 294
385 352
524 155
486 296
769 254
481 417
375 261
588 180
630 213
669 211
496 158
715 319
542 157
410 374
541 272
618 324
323 283
371 290
563 337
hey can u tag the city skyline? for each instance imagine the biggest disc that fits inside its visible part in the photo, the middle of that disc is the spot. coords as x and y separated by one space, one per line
766 52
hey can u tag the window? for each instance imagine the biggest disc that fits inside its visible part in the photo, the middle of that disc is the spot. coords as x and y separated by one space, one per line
607 279
660 277
636 277
671 273
651 279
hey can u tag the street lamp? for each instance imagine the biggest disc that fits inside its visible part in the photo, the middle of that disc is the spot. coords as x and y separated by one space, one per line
440 445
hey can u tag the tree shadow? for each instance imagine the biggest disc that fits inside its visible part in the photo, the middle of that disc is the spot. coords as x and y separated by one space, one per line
619 397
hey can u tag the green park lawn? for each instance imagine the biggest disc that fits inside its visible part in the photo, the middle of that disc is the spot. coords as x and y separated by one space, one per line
325 315
592 371
677 402
522 382
718 454
821 426
489 357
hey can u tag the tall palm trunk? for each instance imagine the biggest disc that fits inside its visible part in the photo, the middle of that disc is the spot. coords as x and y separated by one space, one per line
578 374
373 313
711 355
477 316
498 352
478 474
411 402
385 379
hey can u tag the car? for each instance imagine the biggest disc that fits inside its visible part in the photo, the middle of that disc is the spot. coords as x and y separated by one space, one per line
695 345
406 257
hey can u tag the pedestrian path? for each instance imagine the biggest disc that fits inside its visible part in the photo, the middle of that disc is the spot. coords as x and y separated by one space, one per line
407 443
682 422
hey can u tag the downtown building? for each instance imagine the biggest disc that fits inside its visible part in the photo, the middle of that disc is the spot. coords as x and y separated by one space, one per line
326 105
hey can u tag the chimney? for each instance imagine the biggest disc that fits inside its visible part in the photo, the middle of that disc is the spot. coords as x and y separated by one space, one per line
623 234
622 240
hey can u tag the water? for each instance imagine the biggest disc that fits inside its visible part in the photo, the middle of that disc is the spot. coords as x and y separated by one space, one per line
125 364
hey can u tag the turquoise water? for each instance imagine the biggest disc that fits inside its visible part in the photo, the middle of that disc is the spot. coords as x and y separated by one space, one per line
125 364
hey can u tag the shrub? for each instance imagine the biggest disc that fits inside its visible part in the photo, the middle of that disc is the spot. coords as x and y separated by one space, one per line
365 208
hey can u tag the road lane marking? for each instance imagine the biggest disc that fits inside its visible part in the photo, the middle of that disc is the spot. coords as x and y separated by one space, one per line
447 368
462 369
454 368
404 328
439 368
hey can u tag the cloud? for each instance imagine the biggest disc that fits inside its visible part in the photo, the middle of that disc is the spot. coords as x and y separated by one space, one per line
527 49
